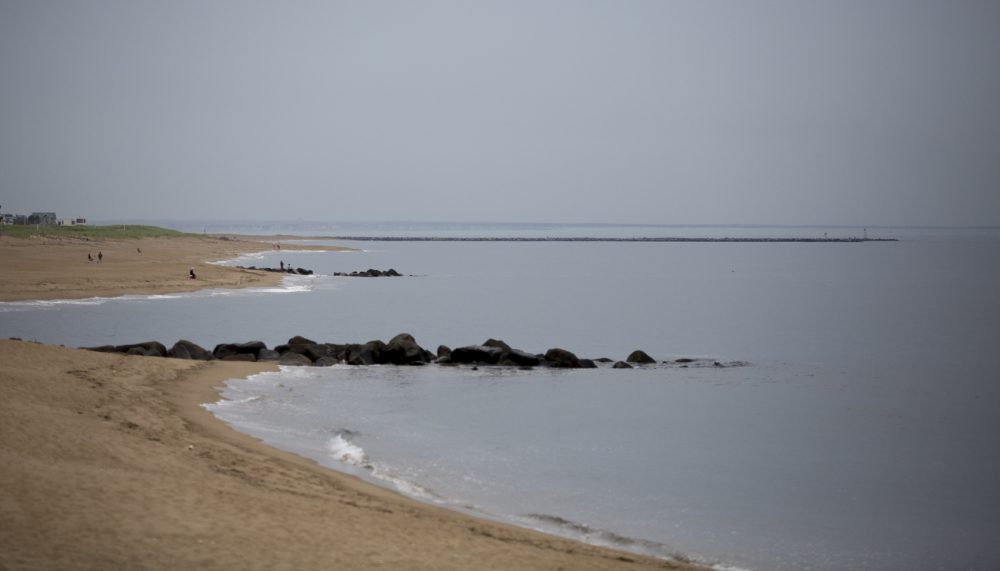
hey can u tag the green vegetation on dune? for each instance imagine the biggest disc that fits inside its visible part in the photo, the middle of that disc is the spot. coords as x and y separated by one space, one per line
115 231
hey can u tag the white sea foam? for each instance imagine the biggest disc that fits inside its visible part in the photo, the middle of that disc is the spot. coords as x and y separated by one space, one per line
290 284
347 452
241 259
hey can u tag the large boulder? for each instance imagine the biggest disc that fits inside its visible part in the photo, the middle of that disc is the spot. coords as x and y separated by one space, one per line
443 351
498 344
295 359
319 351
521 358
621 365
403 350
184 349
476 354
147 348
224 350
640 357
249 357
368 353
268 355
561 358
179 352
325 362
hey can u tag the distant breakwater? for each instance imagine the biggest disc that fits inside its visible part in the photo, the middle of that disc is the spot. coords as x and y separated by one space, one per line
599 239
400 350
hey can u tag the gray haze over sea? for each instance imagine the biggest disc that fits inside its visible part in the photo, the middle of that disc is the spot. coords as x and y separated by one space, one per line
854 425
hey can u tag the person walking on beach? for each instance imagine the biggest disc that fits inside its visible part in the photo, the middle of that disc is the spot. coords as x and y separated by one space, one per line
89 257
282 262
100 257
191 275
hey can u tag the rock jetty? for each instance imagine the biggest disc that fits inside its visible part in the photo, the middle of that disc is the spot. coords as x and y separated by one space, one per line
370 273
402 349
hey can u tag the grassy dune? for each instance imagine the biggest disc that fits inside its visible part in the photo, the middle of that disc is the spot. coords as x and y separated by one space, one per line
113 232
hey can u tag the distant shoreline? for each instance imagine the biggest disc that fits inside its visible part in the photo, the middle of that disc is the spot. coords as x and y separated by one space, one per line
585 239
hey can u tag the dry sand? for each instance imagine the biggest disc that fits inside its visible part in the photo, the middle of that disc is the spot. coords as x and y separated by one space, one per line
109 462
57 268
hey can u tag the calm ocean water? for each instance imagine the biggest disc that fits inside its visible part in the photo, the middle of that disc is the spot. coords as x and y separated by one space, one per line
859 430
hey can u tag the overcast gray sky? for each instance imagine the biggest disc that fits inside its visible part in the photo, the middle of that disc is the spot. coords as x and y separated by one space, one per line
706 112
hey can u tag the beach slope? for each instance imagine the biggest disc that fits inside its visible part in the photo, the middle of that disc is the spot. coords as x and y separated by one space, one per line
110 462
55 267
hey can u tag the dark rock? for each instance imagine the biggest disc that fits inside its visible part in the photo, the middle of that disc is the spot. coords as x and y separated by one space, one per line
392 273
299 340
476 354
684 360
621 365
179 352
268 355
587 364
303 272
522 358
193 350
562 358
149 348
640 357
604 360
325 362
403 350
498 344
443 351
240 357
360 355
292 358
224 350
139 351
318 351
376 347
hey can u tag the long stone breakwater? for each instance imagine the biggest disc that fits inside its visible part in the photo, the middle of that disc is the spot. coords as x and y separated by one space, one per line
400 350
598 239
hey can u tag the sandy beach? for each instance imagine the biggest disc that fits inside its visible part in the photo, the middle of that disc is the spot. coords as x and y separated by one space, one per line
110 462
57 268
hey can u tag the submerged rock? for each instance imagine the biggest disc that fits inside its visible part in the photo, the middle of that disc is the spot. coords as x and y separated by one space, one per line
561 358
403 350
476 354
640 357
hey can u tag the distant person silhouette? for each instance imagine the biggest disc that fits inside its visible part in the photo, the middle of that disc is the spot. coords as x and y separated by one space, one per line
100 257
89 257
191 275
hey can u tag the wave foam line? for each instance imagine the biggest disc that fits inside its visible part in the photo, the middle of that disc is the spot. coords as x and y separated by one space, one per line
289 285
